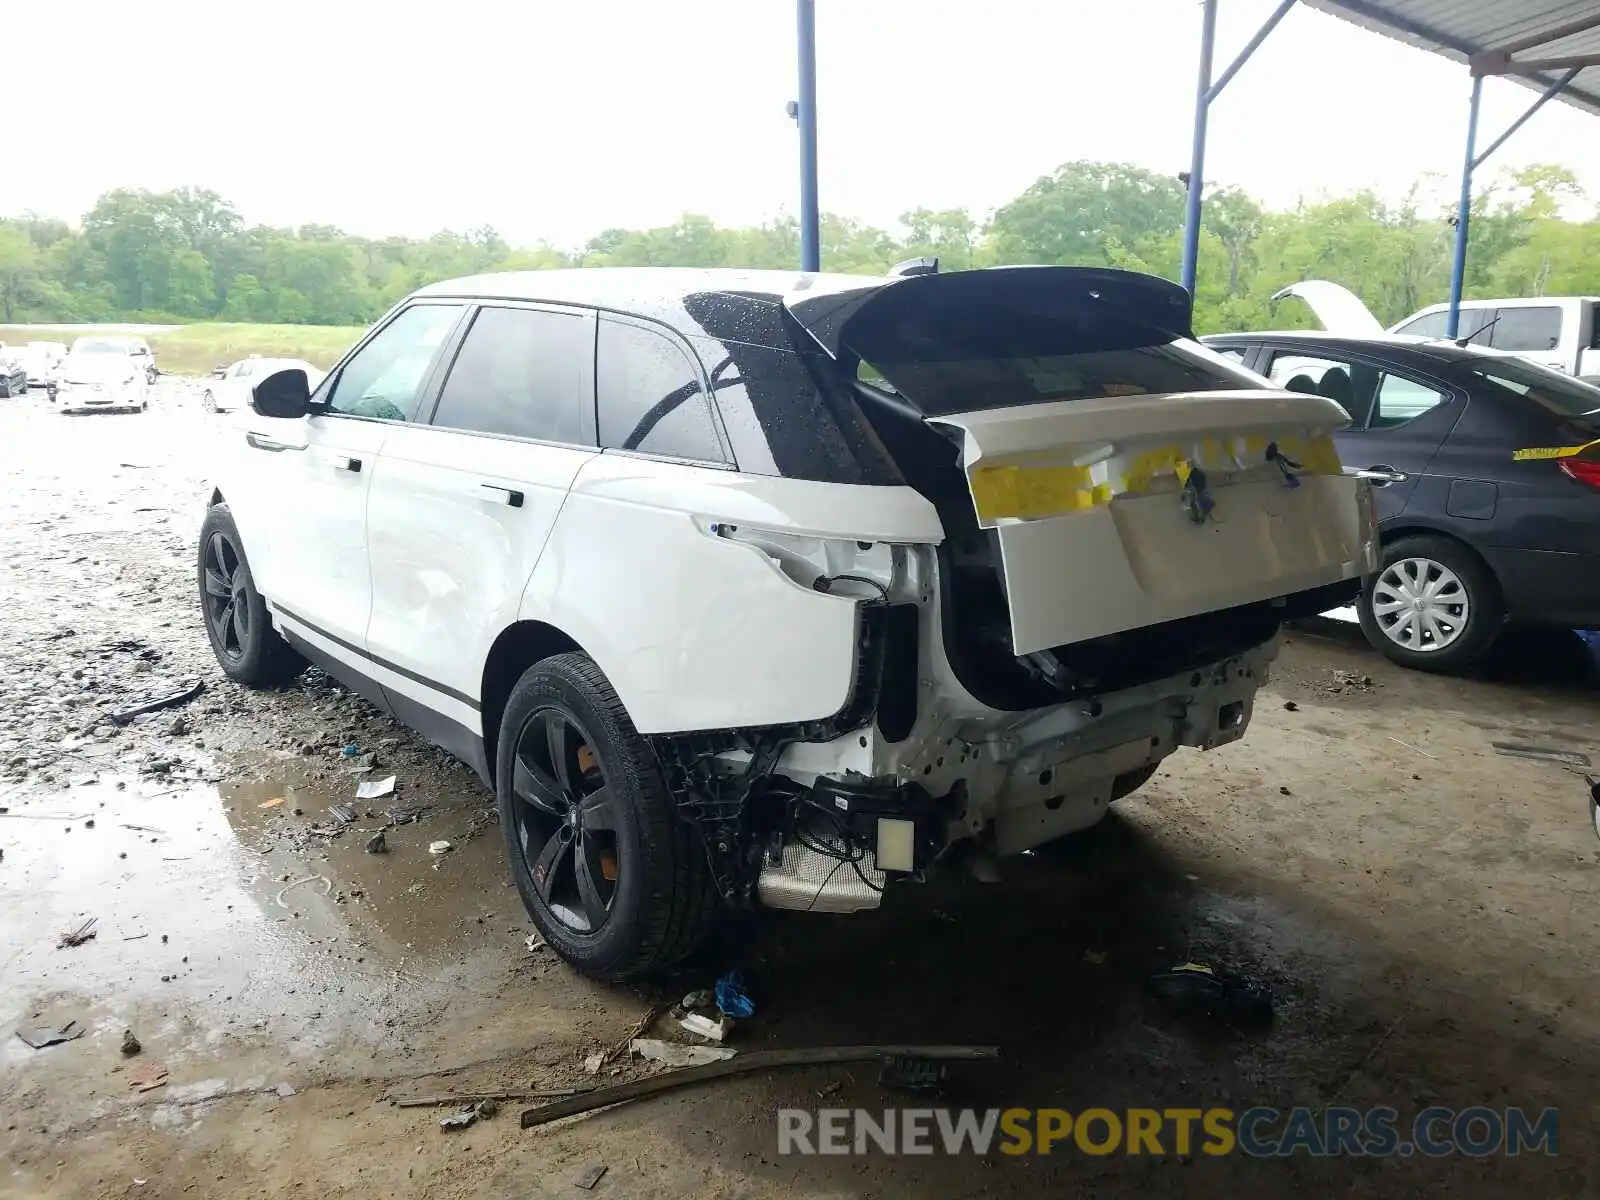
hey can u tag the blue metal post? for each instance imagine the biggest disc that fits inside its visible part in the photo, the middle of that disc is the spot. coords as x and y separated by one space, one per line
1197 161
1458 267
806 116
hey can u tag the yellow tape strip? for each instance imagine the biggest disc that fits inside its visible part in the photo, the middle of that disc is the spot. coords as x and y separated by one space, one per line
1534 453
1033 492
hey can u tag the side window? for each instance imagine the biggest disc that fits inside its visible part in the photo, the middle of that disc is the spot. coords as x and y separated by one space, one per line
1527 329
385 376
1430 326
1401 400
650 397
244 370
1232 353
525 372
1350 384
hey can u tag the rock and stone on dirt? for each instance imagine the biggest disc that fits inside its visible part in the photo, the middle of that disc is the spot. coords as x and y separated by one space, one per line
1425 924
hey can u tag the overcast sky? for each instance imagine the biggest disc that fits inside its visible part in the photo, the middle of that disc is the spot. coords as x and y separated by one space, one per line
553 120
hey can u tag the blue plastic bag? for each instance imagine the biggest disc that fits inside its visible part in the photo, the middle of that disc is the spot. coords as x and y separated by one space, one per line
732 999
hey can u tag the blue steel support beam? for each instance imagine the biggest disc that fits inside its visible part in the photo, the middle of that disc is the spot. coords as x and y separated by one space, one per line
806 116
1197 160
1545 97
1250 48
1458 265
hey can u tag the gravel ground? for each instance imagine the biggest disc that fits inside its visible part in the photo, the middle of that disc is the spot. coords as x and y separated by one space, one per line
1421 907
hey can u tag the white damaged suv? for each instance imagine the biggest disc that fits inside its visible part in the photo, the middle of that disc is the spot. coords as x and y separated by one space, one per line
775 588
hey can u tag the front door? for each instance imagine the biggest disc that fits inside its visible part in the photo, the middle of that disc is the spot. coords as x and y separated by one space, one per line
314 503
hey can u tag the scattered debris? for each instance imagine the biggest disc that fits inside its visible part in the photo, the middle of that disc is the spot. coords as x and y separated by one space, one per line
1283 790
535 943
701 1025
1094 957
746 1064
732 998
77 935
327 888
477 1099
440 847
1594 802
590 1176
39 1038
486 1108
459 1120
1197 987
1351 680
150 828
285 1090
675 1054
273 803
361 764
1564 758
620 1047
829 1089
1417 749
371 789
130 1043
1290 706
343 814
593 1062
378 844
170 701
351 751
904 1073
704 998
406 814
180 726
147 1077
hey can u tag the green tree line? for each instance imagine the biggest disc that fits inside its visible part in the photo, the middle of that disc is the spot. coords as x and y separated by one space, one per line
187 255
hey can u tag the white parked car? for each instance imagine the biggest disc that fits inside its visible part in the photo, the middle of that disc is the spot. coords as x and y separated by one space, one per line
228 389
1560 332
101 373
771 588
40 360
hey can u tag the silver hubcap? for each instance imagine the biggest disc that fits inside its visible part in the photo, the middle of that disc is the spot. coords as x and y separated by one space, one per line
1420 604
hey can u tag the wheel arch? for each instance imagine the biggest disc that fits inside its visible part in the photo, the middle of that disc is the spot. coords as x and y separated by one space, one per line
517 648
1391 534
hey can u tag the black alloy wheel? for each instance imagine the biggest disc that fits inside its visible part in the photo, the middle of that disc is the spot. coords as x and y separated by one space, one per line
226 598
566 820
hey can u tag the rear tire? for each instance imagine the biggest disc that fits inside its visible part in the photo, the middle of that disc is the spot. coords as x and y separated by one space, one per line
605 806
1432 606
208 402
248 649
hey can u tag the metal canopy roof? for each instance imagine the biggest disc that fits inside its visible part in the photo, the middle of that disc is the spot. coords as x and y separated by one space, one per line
1533 42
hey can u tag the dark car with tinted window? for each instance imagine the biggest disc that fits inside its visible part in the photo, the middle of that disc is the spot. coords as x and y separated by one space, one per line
1486 475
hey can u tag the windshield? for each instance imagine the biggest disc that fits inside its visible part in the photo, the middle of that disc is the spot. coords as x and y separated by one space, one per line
99 346
1557 393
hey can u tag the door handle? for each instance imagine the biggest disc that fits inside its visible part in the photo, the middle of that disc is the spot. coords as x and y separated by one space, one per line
502 495
1379 476
260 441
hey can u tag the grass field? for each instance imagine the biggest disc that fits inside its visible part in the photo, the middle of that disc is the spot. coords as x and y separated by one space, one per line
195 349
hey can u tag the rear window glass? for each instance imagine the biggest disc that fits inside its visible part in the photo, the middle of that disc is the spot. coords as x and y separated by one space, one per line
940 384
1526 329
1551 390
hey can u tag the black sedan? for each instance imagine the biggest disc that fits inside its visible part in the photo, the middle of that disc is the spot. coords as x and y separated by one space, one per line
1486 480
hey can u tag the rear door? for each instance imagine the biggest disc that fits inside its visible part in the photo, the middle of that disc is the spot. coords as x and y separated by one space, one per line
1399 418
461 506
1129 476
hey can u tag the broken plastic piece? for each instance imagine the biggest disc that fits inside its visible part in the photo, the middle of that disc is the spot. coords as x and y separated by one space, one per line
589 1176
371 789
440 847
40 1038
703 1026
674 1054
1196 987
908 1074
459 1120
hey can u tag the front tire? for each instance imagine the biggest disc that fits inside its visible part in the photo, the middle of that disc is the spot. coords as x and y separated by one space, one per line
1432 606
616 883
208 402
248 649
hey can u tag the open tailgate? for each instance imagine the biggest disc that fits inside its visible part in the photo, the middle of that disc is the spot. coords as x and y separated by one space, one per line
1142 479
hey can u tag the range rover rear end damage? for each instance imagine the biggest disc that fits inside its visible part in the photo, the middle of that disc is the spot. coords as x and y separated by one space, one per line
1128 521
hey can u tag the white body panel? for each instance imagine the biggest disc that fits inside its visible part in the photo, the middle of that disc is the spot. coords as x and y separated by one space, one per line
304 517
697 631
451 555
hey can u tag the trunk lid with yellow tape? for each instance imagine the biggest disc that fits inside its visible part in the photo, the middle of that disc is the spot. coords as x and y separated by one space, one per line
1126 511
